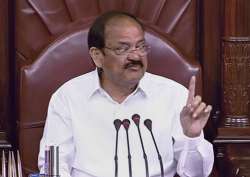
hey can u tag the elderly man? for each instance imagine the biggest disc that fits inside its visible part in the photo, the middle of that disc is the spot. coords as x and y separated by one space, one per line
82 111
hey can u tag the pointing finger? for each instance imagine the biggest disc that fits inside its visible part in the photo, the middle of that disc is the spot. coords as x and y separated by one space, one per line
191 90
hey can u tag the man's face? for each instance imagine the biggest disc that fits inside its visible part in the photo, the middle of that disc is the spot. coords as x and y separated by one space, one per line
119 67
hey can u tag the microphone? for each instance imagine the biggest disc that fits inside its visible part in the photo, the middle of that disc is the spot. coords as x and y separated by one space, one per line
136 119
117 124
126 124
148 124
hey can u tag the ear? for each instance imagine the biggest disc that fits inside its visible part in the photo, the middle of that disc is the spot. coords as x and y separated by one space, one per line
97 56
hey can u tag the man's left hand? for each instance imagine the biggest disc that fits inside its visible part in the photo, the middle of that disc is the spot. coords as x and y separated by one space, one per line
195 114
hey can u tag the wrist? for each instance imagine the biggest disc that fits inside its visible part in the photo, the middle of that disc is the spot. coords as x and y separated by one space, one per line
192 134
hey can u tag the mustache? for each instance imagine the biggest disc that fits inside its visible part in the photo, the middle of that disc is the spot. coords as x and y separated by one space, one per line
133 63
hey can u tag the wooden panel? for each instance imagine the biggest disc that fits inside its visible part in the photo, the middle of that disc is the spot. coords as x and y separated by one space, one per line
4 144
236 64
237 18
233 140
233 162
236 81
210 56
4 75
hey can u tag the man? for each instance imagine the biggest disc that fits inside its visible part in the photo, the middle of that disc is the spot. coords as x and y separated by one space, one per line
81 113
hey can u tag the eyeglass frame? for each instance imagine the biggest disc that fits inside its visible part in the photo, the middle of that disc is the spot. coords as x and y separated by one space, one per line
131 49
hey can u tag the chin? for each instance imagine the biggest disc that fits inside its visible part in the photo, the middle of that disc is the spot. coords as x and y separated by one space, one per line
135 80
133 77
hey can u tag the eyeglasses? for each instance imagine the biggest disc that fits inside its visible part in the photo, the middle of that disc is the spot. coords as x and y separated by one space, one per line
143 49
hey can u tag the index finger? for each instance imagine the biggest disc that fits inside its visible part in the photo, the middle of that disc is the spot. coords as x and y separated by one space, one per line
191 90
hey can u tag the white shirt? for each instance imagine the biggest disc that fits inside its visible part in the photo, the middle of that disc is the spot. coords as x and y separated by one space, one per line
80 121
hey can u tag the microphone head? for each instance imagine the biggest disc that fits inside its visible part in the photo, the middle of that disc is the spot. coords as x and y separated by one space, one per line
117 123
148 124
126 123
136 119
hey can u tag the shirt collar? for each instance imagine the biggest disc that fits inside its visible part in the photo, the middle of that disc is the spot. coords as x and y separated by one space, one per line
96 85
142 87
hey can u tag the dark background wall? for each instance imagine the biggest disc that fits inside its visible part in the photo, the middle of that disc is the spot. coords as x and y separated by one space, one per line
7 66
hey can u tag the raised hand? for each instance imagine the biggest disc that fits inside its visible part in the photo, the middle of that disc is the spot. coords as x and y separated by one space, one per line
195 114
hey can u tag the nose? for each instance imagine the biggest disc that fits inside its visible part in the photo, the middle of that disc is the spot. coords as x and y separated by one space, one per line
134 55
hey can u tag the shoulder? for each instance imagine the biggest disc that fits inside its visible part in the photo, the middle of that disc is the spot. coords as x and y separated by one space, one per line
159 82
77 86
169 91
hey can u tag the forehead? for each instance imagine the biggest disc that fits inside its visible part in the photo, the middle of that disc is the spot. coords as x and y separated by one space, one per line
123 29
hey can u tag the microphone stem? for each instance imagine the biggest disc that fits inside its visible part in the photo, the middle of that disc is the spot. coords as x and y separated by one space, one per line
144 154
116 157
129 155
159 155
